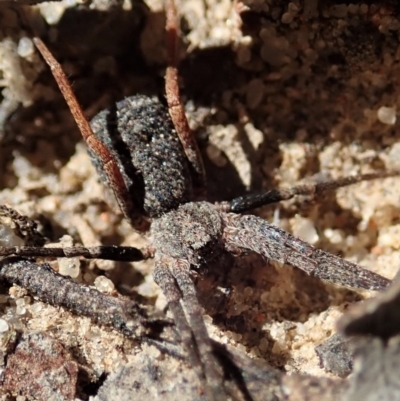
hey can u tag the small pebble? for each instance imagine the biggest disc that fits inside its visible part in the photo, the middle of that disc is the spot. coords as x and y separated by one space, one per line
52 12
387 115
69 267
104 284
287 18
25 47
8 237
254 93
20 306
36 307
334 236
305 230
4 327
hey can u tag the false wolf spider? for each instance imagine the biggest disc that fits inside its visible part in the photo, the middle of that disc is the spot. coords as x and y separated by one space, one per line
148 156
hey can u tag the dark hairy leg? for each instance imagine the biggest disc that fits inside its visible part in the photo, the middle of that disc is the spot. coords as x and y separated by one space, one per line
255 234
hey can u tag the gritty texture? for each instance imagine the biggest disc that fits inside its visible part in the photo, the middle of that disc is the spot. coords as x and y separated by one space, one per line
41 281
252 233
276 93
374 345
336 355
151 377
375 367
376 317
140 135
42 369
193 232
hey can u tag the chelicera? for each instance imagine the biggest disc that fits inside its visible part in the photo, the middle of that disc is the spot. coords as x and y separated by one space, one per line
148 156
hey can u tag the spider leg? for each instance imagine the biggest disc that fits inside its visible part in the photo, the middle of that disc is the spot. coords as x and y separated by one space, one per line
255 234
116 253
41 281
109 164
22 227
180 271
173 278
176 109
164 279
251 201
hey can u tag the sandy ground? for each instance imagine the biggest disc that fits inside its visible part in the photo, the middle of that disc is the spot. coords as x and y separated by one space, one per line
275 92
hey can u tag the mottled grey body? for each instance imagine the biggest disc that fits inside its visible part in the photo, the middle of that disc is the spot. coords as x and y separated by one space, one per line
140 136
193 232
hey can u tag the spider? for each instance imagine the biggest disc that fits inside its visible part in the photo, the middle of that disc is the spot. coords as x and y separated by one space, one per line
148 156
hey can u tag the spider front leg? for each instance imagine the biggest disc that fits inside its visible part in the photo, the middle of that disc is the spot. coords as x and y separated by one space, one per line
255 234
16 228
115 253
254 200
173 278
131 211
41 281
44 283
175 106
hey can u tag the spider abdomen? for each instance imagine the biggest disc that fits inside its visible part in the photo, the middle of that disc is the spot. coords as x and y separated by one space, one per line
140 135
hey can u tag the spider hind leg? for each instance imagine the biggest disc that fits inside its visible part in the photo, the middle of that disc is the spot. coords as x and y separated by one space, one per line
173 278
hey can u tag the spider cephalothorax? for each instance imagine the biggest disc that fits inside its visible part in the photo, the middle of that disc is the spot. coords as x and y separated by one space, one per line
192 232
